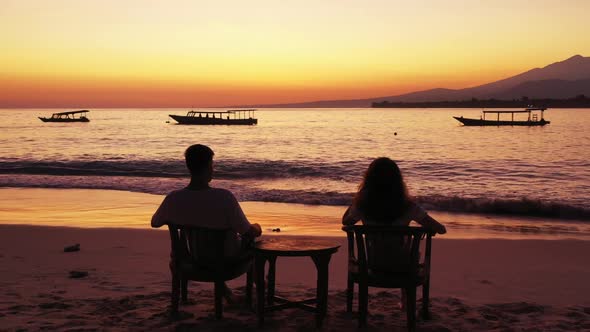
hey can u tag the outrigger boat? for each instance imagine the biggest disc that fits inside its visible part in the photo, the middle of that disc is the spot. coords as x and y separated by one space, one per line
67 117
229 117
532 120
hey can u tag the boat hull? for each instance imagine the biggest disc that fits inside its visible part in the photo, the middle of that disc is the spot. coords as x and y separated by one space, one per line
481 122
64 120
194 120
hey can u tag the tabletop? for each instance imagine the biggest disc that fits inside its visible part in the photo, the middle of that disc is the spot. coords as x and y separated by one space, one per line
296 247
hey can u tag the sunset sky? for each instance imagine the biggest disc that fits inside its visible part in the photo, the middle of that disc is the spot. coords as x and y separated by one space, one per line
147 53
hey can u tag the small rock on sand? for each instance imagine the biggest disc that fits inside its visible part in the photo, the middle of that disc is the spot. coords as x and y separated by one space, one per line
72 248
78 274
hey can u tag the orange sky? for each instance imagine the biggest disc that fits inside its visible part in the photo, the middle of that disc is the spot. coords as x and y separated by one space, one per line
149 53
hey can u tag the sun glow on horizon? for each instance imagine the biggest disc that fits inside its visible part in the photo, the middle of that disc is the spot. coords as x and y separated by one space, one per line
216 53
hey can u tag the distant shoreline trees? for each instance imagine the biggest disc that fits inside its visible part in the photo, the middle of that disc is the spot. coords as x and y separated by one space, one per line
580 101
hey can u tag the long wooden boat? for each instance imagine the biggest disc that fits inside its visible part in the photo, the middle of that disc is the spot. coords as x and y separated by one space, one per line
532 119
229 117
67 117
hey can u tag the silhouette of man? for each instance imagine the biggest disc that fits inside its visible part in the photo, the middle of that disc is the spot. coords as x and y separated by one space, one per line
202 206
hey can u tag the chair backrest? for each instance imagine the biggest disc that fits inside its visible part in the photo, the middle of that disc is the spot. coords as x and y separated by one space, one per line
202 245
388 248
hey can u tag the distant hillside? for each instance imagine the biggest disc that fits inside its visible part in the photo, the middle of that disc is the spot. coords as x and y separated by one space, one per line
564 79
580 101
558 89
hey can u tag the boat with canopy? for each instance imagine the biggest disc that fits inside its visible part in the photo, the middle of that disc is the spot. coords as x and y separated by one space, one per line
535 118
72 116
229 117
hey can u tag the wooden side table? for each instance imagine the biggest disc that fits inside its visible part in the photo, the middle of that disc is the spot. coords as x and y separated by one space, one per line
320 252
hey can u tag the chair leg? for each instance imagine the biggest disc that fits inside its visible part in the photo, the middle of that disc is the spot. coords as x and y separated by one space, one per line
249 281
272 270
349 294
426 300
411 308
219 289
259 263
363 303
175 295
184 290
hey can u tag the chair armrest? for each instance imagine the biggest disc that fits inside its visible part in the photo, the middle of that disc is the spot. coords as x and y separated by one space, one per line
248 242
350 240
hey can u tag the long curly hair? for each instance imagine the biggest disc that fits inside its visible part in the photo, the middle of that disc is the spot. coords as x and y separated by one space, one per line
382 196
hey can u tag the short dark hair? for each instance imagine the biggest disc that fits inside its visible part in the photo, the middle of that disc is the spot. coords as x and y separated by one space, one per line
198 157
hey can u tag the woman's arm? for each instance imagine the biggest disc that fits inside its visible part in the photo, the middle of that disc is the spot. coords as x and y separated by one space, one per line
418 214
428 222
351 216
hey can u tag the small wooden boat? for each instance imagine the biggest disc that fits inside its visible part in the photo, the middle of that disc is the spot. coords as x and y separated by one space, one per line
67 117
229 117
532 119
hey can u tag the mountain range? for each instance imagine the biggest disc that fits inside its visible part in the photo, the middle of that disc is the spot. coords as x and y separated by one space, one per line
559 80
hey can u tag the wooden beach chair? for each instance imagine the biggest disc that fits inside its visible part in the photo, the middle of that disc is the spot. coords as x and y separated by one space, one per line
198 254
388 257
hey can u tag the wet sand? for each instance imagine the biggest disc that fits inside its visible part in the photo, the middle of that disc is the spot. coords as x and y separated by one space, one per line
92 208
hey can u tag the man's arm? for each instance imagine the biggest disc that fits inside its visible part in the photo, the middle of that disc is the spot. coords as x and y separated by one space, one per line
254 231
160 218
239 222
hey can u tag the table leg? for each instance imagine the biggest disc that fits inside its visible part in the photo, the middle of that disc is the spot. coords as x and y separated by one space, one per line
272 263
321 264
259 262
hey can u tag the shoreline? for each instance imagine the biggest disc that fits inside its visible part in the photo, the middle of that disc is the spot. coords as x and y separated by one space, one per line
99 208
75 176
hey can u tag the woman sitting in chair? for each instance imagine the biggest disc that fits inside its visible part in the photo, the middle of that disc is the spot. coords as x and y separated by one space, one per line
383 199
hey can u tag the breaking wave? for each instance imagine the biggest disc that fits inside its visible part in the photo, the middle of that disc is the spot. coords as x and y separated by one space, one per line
245 192
225 169
520 207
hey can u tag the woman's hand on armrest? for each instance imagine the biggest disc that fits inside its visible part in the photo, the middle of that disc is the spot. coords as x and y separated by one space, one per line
432 224
442 229
349 217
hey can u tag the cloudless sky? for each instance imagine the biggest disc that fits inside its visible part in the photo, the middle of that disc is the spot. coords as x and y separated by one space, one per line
113 53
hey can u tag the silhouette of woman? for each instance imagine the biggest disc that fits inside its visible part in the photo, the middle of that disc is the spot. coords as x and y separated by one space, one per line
382 199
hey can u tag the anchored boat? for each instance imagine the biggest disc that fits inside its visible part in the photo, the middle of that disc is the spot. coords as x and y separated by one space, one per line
229 117
72 116
533 118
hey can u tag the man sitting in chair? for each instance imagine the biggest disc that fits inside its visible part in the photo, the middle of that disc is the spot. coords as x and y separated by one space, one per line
200 205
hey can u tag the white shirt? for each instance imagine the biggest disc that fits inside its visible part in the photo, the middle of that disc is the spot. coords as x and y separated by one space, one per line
208 208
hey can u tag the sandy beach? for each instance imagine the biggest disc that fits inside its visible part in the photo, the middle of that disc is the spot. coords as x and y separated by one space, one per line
477 284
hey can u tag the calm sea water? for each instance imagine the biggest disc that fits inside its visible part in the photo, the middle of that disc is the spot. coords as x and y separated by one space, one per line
314 156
